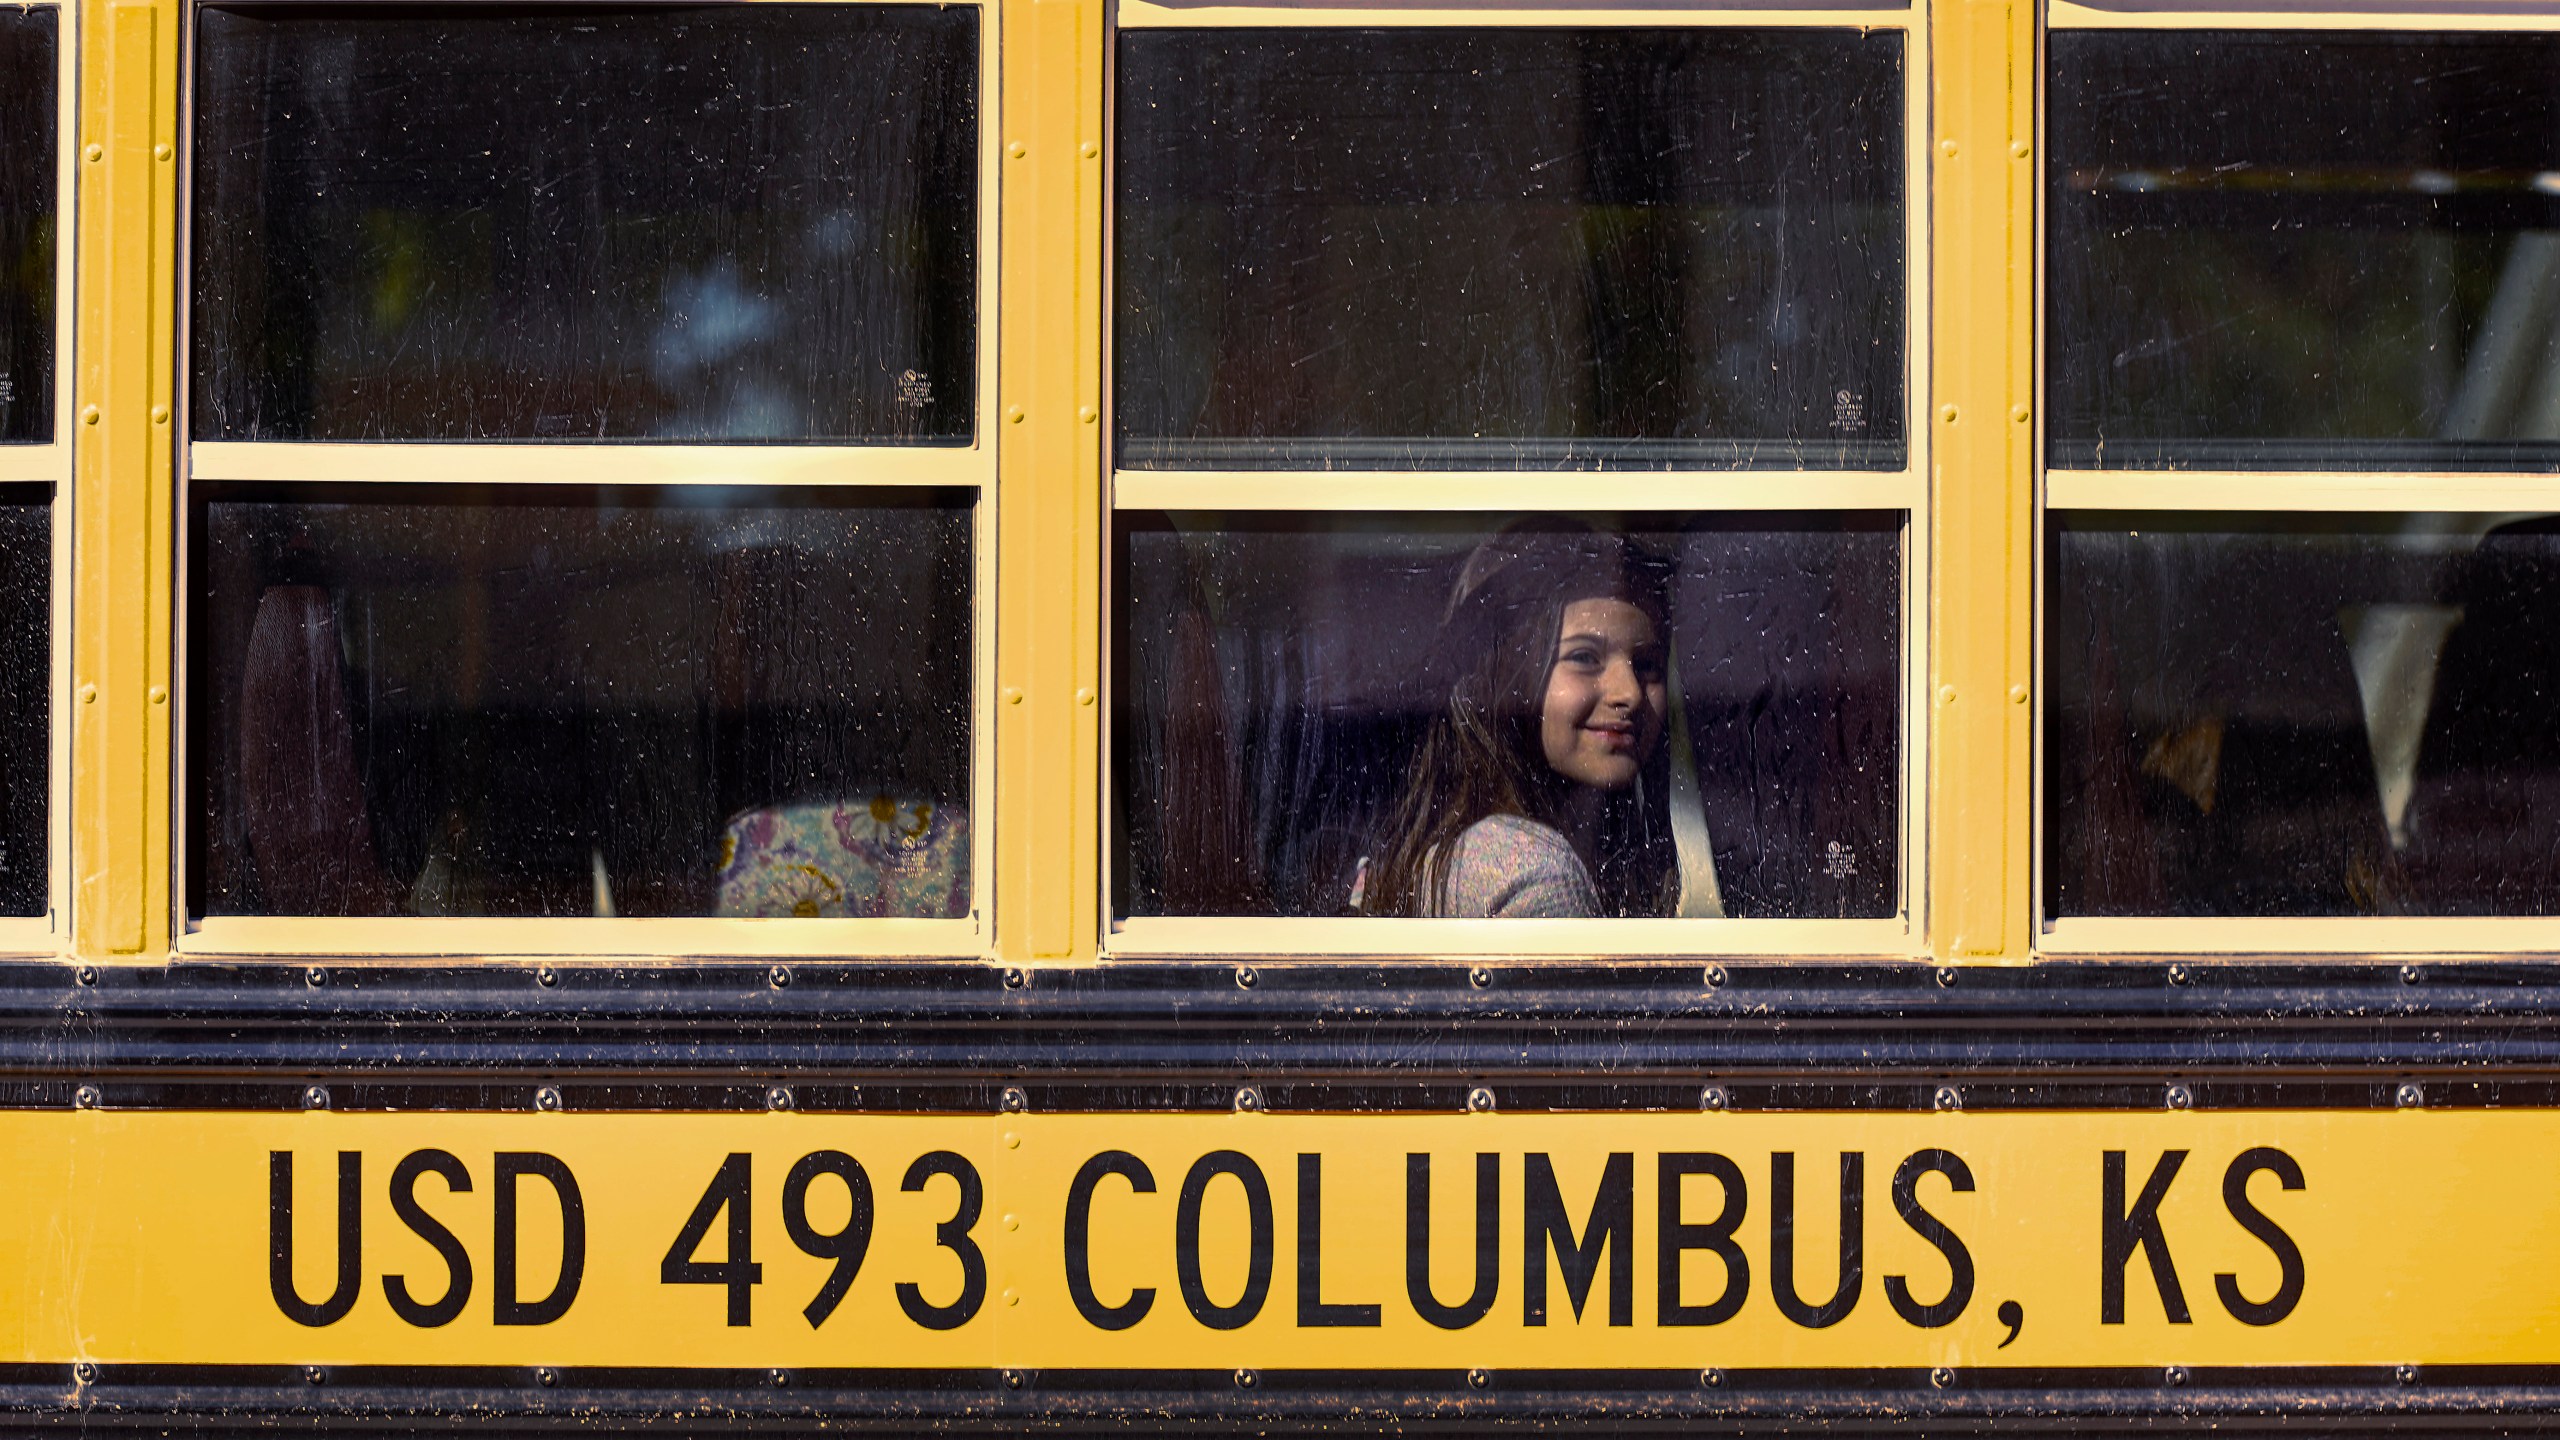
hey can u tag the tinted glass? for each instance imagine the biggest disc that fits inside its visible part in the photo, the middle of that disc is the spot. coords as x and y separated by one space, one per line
417 700
2304 715
28 184
2304 250
1281 676
738 223
1510 248
26 691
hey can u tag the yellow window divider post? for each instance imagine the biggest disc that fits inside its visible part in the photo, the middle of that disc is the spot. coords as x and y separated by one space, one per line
1049 485
123 492
1982 514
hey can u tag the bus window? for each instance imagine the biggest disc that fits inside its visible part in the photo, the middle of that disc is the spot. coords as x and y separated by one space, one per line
1451 579
28 95
639 580
31 460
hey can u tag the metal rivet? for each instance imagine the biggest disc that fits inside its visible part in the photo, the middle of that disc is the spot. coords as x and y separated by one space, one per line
2180 1098
2409 975
1947 148
1942 1377
1012 1297
1946 694
1088 150
1013 694
159 414
1012 1141
89 415
1247 1379
1017 149
88 1097
2018 150
1712 1378
1246 979
88 694
545 1376
1248 1099
85 1373
2019 413
1714 1098
2175 1375
1480 976
1013 1379
1946 976
1087 414
315 1374
1084 696
162 151
1480 1099
2178 975
315 1097
1015 1100
1949 1098
1012 1222
1016 978
2406 1374
778 1098
86 975
1013 414
1715 977
159 694
546 1097
316 976
2017 694
1478 1379
781 1379
1947 414
2410 1096
546 977
96 153
779 977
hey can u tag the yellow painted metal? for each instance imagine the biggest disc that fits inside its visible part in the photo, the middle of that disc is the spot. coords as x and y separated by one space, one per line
1049 446
143 1236
121 596
1982 512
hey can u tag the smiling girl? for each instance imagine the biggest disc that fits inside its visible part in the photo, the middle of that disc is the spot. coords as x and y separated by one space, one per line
1537 791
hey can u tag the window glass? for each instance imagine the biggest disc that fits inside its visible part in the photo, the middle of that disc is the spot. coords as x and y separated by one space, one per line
2304 250
1510 248
519 701
28 182
26 694
1298 695
733 223
2303 715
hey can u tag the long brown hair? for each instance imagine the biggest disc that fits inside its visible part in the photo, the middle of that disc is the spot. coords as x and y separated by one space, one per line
1482 754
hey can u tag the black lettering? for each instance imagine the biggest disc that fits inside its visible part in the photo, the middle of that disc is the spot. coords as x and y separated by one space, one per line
457 1261
1679 1236
342 1298
2235 1198
847 1246
1186 1239
1906 1203
1142 1181
731 1189
951 1235
1545 1226
505 1308
1417 1243
2120 1230
1782 1241
1313 1312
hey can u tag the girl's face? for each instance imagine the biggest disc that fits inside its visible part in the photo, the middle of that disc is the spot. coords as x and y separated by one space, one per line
1606 697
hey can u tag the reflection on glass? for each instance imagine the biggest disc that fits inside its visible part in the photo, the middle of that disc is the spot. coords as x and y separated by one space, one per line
1448 715
27 187
1518 248
2304 250
736 223
26 691
512 701
2304 715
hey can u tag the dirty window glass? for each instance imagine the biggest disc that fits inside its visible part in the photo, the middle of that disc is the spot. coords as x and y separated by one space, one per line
1289 682
28 183
26 689
535 701
2290 250
1510 249
2304 715
741 223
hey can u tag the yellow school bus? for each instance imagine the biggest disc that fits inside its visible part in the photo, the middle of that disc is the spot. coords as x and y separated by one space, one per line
809 714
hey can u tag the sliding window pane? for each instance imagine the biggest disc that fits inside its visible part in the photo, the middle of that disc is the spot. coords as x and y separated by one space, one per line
26 694
2304 250
523 701
678 223
2304 715
1510 249
29 182
1288 682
